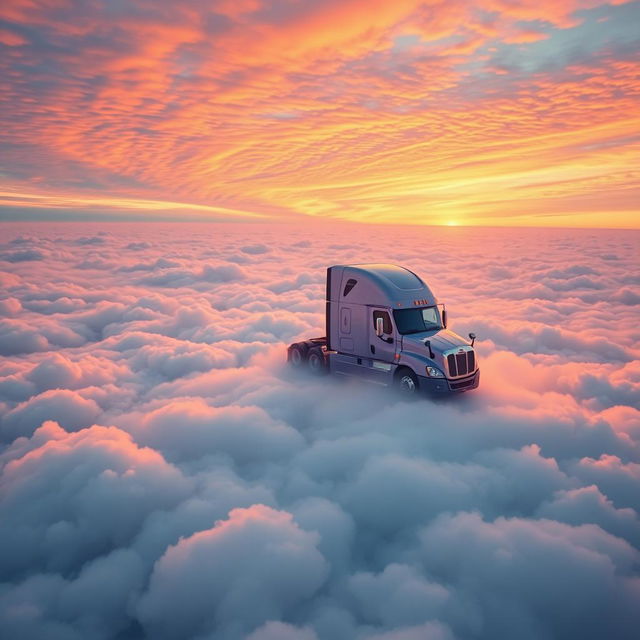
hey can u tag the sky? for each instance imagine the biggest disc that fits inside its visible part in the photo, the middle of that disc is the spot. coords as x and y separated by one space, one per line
492 112
164 474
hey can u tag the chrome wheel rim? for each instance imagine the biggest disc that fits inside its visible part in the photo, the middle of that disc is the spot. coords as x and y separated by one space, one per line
407 384
314 362
296 357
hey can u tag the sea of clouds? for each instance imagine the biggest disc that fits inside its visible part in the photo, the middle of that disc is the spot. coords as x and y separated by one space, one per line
166 475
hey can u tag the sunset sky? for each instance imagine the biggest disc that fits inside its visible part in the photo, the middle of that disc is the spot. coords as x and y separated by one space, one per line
175 178
492 112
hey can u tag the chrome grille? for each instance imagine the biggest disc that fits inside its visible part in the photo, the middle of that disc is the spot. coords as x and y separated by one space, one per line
471 361
461 361
453 370
461 364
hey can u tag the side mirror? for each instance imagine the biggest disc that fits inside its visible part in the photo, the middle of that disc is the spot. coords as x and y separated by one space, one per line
379 327
427 343
444 318
472 337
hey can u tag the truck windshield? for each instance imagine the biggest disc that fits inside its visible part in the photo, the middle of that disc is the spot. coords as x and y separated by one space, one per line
416 320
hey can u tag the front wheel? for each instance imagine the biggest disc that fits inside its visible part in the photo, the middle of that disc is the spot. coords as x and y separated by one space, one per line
406 382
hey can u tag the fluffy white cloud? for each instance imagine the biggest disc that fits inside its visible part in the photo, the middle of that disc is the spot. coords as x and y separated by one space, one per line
398 596
256 566
427 631
163 473
67 407
535 578
274 630
589 505
71 497
188 429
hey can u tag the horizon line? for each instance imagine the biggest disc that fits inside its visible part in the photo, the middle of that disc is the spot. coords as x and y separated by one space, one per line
115 219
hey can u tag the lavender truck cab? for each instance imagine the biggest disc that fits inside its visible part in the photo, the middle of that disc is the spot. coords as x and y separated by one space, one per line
384 325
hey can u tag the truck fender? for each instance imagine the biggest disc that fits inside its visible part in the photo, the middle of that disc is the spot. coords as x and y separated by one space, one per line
416 362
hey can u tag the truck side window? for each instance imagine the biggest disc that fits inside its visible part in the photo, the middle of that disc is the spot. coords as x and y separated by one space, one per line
386 321
347 287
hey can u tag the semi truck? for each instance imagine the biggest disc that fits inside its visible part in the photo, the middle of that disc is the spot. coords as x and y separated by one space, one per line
385 326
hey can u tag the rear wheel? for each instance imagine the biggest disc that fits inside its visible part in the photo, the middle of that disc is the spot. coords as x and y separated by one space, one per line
406 382
315 361
297 355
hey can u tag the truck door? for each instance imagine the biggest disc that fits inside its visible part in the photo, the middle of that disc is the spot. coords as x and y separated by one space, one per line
346 338
381 349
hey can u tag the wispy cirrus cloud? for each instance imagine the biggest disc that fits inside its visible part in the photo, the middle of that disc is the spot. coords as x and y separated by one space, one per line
406 111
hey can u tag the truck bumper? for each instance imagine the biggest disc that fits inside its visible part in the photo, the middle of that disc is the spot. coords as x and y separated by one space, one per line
438 386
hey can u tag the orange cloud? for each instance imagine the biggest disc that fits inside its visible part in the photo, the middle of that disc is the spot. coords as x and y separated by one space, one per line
379 112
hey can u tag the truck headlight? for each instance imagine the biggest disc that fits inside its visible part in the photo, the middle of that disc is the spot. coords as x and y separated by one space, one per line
434 372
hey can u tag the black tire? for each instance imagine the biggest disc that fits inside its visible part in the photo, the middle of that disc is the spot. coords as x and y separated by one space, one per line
315 361
406 382
297 355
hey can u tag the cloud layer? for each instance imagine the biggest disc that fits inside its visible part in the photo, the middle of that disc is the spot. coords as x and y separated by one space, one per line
165 475
433 111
